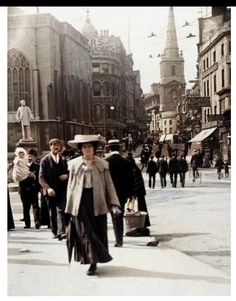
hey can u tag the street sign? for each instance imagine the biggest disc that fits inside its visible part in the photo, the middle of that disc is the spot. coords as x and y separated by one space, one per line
195 102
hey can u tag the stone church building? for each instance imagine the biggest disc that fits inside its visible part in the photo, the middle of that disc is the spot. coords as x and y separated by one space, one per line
172 82
49 66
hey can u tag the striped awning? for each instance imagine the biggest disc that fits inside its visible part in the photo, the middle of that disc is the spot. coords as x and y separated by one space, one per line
203 135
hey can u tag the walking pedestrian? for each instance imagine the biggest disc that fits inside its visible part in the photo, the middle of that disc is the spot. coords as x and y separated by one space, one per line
151 170
90 196
122 177
53 176
219 165
144 155
195 163
173 168
162 168
139 188
183 168
226 169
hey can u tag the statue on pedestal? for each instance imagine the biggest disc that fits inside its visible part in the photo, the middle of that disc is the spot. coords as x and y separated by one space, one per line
24 115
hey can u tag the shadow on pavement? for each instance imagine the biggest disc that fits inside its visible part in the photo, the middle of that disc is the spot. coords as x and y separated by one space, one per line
38 262
208 253
168 237
123 271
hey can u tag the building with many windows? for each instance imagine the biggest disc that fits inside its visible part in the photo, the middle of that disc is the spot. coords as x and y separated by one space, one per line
152 108
116 92
214 61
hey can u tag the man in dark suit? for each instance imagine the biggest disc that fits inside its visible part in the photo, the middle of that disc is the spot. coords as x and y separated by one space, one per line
122 176
173 168
162 167
53 176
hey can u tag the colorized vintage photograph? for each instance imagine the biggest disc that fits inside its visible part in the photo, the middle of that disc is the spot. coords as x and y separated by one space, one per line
118 151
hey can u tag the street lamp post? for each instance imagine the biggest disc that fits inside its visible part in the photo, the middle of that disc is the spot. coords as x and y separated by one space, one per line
104 117
112 108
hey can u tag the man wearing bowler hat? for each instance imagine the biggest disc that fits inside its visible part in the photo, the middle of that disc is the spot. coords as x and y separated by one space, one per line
122 176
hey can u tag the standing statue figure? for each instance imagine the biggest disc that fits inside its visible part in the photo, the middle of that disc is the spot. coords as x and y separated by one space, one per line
24 115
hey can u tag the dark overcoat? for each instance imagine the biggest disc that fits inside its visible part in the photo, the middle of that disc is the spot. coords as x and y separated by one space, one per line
122 177
49 173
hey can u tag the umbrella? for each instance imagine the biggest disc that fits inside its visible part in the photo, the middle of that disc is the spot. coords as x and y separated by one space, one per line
70 238
44 211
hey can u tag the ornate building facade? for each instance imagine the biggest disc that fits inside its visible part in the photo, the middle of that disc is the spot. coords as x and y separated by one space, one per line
116 92
214 60
49 66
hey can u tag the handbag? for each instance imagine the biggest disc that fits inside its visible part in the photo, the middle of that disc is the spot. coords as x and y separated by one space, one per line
131 205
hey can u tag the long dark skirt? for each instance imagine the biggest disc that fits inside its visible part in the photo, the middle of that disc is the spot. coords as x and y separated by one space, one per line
91 242
142 206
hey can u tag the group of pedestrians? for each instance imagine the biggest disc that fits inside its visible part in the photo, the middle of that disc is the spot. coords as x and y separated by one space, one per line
79 194
174 166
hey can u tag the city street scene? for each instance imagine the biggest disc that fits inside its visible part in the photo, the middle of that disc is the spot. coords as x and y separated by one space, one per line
119 151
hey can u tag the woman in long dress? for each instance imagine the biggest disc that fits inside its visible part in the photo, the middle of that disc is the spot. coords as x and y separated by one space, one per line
139 188
90 196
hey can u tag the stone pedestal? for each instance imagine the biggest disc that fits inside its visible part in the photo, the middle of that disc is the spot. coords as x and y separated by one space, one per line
27 144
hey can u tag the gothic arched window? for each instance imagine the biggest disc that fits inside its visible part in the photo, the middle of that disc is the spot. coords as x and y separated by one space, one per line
19 86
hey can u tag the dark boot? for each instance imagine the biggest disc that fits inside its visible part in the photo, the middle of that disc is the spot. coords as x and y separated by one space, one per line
92 269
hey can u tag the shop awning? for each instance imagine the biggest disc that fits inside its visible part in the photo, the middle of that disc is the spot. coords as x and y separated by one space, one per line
169 137
162 138
203 135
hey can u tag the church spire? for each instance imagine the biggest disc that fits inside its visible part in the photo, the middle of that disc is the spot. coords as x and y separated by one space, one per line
171 50
87 17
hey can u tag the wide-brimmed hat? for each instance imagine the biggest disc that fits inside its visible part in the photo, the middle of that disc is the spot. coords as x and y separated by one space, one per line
80 139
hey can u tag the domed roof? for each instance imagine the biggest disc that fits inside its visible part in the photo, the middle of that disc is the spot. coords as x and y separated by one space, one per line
89 30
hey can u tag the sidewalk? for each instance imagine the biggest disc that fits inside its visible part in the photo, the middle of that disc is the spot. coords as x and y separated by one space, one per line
38 266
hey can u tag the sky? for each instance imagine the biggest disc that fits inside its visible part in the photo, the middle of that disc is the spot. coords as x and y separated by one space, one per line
135 25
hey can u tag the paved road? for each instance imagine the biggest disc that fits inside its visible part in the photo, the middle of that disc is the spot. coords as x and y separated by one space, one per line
37 264
196 219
